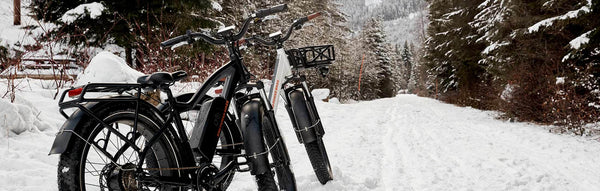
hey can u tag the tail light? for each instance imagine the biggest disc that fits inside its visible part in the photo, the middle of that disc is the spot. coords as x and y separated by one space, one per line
75 92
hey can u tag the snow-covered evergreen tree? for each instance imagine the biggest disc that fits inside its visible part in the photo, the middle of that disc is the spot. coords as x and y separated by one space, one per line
452 50
379 69
407 60
545 52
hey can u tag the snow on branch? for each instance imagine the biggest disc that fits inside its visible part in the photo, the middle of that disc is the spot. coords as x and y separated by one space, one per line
580 40
569 15
94 9
494 46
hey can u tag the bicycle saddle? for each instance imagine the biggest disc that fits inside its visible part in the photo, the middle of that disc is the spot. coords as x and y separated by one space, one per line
159 78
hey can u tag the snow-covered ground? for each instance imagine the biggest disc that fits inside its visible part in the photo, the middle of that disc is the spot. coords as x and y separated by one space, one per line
401 143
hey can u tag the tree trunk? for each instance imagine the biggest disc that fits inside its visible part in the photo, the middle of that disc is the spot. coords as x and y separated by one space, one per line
128 57
17 12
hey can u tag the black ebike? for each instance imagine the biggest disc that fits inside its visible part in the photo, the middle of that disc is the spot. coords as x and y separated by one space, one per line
117 141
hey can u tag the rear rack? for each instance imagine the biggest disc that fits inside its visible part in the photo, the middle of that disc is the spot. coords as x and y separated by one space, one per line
311 56
98 88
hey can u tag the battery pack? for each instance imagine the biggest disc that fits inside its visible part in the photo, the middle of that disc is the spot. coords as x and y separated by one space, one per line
206 132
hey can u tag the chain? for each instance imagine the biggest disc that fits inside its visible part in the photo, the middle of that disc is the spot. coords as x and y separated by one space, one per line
181 168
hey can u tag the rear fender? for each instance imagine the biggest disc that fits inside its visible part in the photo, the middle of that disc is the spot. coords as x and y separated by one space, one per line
66 132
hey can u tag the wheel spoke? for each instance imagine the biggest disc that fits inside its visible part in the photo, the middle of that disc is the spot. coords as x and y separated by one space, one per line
104 153
93 185
95 169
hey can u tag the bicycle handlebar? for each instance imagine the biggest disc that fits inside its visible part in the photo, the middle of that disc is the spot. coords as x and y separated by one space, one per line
296 25
190 36
266 12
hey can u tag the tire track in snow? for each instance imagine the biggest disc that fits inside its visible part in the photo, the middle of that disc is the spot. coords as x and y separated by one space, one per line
392 171
436 146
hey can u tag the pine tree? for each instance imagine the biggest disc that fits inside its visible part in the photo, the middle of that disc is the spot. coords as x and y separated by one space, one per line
524 45
398 69
128 24
379 75
452 51
407 61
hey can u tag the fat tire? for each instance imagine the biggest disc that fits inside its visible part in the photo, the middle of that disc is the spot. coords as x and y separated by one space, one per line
266 182
285 175
252 125
322 169
315 149
69 166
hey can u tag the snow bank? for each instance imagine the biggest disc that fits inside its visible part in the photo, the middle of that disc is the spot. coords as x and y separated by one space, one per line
320 94
94 9
106 67
19 117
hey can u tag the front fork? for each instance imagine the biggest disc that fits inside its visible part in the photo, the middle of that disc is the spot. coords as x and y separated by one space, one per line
310 133
274 130
253 136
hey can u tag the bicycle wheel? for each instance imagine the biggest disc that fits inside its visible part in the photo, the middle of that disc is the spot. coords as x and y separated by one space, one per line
279 155
101 159
316 149
254 144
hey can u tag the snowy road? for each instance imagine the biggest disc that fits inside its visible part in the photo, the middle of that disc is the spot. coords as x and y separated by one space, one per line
402 143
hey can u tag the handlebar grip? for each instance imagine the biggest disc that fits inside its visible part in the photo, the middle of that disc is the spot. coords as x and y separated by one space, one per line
276 9
312 16
173 41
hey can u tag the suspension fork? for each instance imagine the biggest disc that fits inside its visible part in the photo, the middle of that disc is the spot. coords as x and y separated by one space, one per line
304 134
312 109
270 113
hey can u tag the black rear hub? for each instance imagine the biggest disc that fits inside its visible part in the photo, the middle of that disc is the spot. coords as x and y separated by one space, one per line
120 178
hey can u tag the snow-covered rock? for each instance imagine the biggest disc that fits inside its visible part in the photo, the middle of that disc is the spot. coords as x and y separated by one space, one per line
334 100
106 67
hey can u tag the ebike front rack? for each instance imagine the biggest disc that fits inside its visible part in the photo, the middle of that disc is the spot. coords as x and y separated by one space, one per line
311 56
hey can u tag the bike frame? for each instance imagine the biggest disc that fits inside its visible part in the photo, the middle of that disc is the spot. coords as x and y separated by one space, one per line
283 69
281 76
